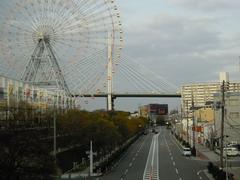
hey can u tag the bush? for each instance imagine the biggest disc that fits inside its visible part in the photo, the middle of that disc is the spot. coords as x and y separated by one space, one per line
217 173
210 167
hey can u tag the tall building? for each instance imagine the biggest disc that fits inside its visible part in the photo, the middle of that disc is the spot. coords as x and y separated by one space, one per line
231 118
199 94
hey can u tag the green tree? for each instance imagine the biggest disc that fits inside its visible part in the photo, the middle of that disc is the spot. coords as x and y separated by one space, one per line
23 157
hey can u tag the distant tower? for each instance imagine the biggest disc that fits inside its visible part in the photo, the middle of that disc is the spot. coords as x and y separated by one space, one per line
224 76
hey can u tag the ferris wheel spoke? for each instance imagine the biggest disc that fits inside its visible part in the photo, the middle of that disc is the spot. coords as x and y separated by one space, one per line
72 34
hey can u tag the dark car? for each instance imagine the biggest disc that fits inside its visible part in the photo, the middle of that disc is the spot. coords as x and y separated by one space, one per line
145 132
154 131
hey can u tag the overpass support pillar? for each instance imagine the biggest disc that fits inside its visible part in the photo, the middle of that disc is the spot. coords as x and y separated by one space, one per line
110 102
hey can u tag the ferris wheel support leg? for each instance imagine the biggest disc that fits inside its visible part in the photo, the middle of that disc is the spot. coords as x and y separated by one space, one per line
109 102
110 69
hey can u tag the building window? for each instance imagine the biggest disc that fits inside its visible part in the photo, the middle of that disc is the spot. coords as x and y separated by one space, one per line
234 115
233 102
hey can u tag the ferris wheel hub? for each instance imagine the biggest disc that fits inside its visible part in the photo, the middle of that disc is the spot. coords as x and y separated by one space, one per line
71 35
45 38
44 32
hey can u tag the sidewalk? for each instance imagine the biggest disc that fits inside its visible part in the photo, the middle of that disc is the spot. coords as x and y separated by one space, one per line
205 153
73 175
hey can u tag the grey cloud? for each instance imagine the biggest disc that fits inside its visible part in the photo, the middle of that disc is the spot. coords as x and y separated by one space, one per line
183 50
207 5
168 35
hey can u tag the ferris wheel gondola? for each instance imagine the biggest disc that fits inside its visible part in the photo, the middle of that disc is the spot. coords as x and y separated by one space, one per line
70 37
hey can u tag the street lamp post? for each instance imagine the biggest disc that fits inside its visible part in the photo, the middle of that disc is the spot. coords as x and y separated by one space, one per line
193 129
187 123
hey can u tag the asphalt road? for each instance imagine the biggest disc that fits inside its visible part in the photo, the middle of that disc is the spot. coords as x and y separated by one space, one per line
156 156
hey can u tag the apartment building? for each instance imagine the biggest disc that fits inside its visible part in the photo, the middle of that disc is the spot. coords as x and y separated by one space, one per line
231 118
198 95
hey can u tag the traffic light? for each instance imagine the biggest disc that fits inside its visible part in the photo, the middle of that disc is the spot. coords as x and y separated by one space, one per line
227 86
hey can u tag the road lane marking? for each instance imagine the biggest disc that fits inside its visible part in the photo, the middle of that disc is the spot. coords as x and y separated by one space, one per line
151 170
174 163
198 173
176 170
140 146
130 164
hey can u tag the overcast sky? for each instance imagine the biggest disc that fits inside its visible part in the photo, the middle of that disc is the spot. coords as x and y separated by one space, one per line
185 41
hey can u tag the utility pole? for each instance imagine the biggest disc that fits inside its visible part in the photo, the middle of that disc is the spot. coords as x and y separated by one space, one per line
54 134
187 123
91 159
194 128
222 123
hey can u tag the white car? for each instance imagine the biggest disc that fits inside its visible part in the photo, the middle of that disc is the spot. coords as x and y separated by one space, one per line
230 151
187 151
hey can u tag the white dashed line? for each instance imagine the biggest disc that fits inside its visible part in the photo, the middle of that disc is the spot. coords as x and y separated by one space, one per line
126 171
176 170
174 163
130 164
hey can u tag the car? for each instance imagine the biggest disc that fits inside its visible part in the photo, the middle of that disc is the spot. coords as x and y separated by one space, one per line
187 151
145 132
235 146
154 131
230 151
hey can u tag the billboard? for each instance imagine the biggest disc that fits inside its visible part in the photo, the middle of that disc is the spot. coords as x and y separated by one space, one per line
158 109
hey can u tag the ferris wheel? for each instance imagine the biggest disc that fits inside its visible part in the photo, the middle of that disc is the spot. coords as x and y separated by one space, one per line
61 43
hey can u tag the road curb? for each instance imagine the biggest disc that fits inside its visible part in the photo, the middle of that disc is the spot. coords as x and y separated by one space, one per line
202 156
178 141
209 176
